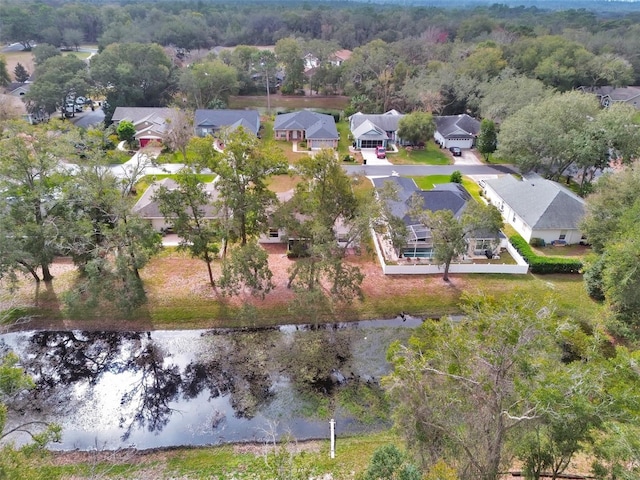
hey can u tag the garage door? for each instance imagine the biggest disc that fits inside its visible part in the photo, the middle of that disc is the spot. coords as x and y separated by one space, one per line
371 143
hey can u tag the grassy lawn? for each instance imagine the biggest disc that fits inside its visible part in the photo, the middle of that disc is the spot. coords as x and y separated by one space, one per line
429 181
147 180
344 143
430 155
283 183
226 461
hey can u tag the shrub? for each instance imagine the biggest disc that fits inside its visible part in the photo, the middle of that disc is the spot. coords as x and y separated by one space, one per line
593 279
456 177
542 265
537 242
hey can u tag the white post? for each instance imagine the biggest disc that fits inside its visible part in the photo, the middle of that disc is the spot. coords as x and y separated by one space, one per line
332 423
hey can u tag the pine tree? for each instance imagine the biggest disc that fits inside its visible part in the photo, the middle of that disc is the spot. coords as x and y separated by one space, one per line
21 73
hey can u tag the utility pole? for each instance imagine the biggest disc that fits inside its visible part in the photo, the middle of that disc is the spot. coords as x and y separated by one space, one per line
332 423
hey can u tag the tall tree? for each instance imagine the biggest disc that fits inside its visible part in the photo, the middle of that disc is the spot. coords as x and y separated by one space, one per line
450 234
324 202
243 169
59 80
487 141
186 208
20 73
540 136
5 79
289 52
31 211
180 131
208 82
483 362
134 75
416 127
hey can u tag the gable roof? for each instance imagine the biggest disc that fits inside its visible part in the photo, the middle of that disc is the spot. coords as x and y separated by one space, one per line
135 115
617 94
385 121
368 131
457 126
316 125
147 207
216 119
446 196
541 203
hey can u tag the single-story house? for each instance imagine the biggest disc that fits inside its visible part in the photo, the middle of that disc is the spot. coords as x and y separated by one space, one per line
17 89
609 95
151 123
318 129
456 131
374 130
447 196
209 122
537 208
148 208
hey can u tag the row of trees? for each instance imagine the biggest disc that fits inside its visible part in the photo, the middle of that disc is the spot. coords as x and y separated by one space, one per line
190 25
48 210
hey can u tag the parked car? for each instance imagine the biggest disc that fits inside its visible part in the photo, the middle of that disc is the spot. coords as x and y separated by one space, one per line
381 152
456 151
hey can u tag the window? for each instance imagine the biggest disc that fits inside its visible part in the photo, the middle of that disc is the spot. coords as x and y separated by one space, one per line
514 218
483 244
343 238
274 233
563 235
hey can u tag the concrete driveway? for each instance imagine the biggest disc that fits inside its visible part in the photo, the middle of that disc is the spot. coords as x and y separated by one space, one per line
369 154
468 157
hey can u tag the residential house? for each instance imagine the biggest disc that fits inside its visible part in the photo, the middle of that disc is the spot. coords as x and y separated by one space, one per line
456 131
373 130
447 196
151 123
537 208
209 122
609 95
149 209
17 89
336 59
318 129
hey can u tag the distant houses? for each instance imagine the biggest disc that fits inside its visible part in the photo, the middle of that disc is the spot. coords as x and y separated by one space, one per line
609 95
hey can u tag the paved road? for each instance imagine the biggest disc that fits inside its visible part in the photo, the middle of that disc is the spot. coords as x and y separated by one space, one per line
88 118
411 170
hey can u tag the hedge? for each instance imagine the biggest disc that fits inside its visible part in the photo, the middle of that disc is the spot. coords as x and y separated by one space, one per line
539 264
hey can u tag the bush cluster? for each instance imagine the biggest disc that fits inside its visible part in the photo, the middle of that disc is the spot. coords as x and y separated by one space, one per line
539 264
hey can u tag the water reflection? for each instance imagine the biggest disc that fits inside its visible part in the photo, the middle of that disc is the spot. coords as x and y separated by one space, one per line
200 387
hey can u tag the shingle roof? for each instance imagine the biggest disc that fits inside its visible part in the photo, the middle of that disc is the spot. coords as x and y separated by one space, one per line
541 203
457 126
156 115
249 119
385 121
368 131
318 126
146 207
447 196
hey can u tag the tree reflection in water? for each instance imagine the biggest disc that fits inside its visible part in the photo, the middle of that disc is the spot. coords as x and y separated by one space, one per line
155 388
247 367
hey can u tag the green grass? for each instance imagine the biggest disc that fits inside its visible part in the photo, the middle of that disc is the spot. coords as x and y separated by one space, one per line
430 155
344 143
429 181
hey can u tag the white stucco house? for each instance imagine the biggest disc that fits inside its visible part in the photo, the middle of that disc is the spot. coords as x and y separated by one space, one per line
537 208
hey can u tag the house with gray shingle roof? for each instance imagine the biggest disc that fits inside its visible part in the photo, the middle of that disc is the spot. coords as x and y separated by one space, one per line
148 208
456 131
446 196
318 129
151 123
537 208
209 122
609 95
373 130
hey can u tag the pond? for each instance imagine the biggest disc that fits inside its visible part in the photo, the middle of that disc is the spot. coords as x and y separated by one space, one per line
167 388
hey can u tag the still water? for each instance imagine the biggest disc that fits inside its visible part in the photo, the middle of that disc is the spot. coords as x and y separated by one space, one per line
165 388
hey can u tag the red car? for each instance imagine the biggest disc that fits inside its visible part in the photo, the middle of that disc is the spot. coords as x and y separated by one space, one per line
381 152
